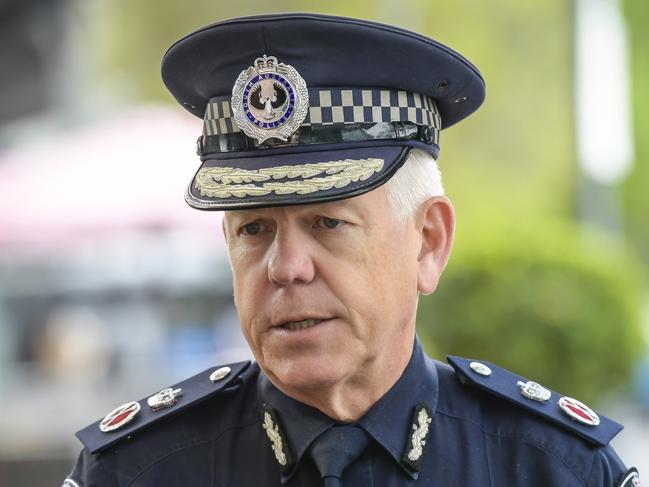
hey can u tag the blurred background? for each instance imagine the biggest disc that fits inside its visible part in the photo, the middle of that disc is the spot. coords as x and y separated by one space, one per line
111 288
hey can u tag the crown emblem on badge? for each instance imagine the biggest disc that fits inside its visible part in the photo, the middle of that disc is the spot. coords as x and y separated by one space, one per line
265 63
269 100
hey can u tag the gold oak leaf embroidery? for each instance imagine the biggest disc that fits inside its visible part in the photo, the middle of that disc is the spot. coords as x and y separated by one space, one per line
272 431
419 433
226 182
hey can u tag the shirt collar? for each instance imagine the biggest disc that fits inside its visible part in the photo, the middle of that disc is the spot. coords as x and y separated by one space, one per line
388 421
298 423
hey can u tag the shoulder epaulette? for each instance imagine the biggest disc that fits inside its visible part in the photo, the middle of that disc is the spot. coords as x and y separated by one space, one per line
133 416
561 410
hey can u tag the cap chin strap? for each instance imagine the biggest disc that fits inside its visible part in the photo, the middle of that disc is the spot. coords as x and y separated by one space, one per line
314 135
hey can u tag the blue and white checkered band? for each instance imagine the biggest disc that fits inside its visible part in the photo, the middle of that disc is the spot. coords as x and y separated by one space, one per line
341 106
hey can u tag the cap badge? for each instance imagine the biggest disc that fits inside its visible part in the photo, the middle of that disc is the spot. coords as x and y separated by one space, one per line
269 100
534 391
578 411
119 416
164 399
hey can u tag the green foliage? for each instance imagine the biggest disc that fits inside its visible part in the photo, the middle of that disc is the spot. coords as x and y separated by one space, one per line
636 196
554 304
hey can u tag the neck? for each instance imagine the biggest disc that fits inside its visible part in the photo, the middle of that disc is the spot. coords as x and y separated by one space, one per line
349 399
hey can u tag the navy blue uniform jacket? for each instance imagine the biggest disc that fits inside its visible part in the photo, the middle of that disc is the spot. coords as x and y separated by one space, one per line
476 437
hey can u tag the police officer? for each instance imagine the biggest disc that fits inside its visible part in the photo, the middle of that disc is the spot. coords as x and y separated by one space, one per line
320 143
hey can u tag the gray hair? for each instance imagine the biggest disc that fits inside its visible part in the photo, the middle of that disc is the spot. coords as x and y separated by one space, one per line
416 181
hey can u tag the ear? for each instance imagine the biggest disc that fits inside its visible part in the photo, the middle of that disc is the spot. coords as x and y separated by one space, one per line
436 222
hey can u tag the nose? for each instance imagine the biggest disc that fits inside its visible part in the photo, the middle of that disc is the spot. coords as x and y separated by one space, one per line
290 260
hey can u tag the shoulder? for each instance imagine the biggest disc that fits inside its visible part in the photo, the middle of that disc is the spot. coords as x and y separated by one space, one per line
535 400
180 418
162 408
520 418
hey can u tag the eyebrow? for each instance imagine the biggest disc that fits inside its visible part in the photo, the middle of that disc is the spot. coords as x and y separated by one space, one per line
345 204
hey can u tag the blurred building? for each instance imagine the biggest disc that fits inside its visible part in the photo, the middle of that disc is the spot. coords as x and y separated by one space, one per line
107 290
31 43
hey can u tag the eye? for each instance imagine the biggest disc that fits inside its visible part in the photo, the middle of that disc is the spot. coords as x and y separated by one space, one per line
252 228
329 223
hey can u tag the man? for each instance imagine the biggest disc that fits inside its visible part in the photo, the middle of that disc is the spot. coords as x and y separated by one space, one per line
320 143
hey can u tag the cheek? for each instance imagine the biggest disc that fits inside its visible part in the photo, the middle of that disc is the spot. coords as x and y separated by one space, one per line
394 276
247 266
364 281
245 282
248 307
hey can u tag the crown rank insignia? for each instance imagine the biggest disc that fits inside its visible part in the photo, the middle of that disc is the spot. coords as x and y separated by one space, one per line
269 100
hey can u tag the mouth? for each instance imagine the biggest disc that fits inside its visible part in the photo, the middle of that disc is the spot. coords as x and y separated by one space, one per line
301 325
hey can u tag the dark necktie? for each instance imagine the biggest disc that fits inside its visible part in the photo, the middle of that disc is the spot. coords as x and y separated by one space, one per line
335 449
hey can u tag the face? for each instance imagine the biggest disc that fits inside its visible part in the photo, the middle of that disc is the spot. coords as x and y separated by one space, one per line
325 292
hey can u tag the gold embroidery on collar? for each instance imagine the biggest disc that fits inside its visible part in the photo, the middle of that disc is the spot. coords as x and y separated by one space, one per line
272 430
226 182
418 438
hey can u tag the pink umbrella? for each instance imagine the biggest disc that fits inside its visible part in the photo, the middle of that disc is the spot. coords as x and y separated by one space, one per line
128 172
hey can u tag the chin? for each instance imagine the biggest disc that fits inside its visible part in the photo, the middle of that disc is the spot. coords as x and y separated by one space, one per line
306 372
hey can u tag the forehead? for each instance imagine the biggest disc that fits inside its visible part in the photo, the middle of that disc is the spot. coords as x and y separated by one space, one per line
365 206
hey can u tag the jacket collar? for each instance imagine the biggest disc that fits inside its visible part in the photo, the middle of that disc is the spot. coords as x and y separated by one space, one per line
389 421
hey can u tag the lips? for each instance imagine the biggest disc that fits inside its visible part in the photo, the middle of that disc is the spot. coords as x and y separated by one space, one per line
301 325
298 322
